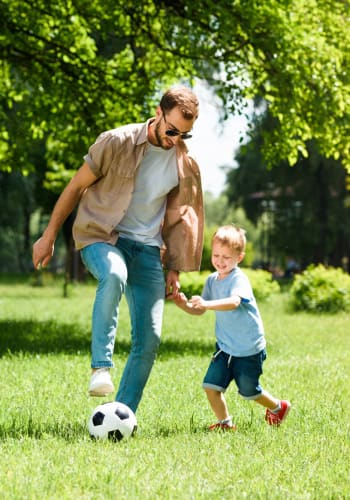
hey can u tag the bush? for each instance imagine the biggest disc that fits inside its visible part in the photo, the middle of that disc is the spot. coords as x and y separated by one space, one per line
320 289
261 281
193 283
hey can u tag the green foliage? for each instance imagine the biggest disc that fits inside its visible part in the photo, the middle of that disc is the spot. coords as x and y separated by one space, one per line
262 283
320 289
193 283
303 211
72 69
206 264
16 204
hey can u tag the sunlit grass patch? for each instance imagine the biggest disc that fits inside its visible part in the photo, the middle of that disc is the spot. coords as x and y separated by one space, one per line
46 450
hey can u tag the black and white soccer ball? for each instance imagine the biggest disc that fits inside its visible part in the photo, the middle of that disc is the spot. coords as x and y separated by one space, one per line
114 420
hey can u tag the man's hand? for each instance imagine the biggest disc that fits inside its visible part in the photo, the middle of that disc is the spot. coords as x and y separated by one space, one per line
172 284
43 250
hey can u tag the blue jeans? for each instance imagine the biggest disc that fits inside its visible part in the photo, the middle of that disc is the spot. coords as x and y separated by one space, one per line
134 269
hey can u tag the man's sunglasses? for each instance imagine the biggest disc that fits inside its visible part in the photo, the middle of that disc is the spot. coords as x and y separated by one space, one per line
171 132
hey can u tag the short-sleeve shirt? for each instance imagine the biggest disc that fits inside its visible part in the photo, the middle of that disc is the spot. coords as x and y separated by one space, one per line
114 159
239 332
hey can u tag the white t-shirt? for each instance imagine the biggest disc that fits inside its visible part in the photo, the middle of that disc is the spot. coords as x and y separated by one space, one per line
156 176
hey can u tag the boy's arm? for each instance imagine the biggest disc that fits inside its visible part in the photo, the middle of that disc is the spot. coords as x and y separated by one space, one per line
227 304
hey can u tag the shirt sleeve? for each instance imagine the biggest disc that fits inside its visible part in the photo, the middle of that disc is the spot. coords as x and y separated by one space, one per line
242 288
206 295
101 154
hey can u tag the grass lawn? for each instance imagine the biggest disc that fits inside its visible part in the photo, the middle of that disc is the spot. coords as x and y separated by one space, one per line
46 451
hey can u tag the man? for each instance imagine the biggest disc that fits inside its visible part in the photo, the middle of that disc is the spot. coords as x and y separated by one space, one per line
140 212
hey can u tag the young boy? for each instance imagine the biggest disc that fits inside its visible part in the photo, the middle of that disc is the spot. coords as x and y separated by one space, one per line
240 340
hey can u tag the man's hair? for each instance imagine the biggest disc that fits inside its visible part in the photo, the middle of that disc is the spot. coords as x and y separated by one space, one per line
183 98
231 236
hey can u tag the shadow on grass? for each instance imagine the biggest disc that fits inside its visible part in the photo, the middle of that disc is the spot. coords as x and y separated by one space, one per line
40 337
40 430
77 432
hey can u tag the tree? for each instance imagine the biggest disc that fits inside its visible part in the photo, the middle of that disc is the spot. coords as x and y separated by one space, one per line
304 209
16 206
72 68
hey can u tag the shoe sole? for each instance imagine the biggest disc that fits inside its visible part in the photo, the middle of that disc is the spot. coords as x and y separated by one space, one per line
101 391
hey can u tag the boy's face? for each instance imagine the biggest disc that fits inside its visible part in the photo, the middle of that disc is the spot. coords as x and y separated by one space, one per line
224 259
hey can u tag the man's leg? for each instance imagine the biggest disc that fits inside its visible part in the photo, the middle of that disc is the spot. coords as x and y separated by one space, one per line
107 264
145 295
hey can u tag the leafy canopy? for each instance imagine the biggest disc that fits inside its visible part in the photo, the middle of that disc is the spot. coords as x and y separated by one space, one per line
72 68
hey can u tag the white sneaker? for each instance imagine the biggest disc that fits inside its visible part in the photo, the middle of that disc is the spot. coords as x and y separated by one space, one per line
101 383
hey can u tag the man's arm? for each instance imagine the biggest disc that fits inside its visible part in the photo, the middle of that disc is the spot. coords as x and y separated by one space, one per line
43 248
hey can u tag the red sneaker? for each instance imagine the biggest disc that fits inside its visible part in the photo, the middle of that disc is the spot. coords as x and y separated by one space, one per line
218 426
277 418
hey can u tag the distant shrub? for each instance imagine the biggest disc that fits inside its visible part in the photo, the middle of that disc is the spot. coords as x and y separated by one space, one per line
261 281
193 283
263 284
321 289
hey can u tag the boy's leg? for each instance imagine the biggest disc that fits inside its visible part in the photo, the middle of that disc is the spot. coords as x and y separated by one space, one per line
247 372
218 403
215 383
267 401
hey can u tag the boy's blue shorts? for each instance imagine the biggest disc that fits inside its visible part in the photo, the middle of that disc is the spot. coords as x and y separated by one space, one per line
244 371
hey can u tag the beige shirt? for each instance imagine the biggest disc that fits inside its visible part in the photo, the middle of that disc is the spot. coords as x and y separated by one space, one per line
114 159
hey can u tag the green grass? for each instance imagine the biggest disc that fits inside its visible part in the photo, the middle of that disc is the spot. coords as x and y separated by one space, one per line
45 448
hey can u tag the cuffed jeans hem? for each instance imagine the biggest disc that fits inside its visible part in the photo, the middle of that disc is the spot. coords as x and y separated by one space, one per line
213 387
255 396
102 365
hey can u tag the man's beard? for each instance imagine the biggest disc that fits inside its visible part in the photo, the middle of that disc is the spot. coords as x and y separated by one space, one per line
159 139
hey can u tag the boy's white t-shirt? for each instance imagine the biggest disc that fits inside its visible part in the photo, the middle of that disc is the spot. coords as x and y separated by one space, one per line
156 176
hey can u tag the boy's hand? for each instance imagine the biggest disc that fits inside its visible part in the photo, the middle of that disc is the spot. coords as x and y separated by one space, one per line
197 302
180 299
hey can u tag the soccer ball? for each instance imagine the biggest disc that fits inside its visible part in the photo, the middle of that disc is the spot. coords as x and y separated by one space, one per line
114 421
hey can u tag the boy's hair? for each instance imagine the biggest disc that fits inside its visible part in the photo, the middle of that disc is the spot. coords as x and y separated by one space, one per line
182 97
232 236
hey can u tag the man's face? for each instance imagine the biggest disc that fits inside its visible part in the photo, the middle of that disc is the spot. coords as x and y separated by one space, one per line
172 123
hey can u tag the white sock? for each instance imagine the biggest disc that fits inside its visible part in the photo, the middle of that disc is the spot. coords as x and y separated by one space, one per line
227 421
277 409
